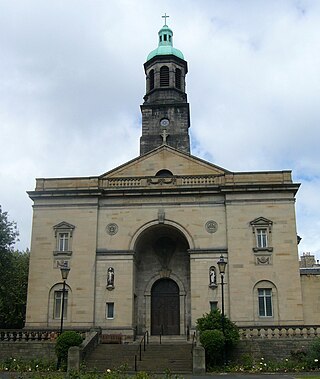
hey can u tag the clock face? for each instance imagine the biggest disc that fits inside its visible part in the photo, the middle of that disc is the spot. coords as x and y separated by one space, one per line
164 122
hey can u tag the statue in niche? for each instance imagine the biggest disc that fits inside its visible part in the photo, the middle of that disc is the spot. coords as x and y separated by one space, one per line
212 277
110 278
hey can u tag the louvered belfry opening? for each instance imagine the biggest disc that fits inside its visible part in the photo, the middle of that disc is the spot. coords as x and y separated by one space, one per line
178 78
151 78
164 76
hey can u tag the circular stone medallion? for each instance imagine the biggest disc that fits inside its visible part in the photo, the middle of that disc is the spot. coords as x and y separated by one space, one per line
112 229
211 226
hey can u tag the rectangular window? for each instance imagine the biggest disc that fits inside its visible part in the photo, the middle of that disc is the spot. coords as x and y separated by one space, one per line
262 238
213 305
265 302
110 310
57 307
63 242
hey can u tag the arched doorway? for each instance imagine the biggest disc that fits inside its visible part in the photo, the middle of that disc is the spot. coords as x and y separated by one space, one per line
165 307
161 253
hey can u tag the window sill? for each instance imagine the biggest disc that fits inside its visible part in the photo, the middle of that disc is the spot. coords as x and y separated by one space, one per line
62 253
262 249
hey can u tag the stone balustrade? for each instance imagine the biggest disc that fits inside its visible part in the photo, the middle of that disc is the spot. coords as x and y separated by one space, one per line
246 333
25 335
278 332
196 180
123 182
162 181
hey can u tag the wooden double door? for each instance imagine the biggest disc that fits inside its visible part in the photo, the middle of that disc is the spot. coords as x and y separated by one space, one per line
165 308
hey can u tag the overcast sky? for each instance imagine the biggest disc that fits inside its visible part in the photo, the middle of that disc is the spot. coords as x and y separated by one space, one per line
72 81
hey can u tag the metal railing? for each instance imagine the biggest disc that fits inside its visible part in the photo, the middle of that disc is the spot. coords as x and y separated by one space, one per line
194 341
188 333
161 334
144 341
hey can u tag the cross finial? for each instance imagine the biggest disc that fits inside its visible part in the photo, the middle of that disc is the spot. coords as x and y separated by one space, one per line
165 19
164 136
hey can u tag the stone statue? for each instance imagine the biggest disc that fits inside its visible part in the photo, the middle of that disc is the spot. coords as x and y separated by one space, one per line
212 276
110 277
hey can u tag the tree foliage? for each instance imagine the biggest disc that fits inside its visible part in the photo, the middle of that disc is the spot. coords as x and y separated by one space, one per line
8 232
14 267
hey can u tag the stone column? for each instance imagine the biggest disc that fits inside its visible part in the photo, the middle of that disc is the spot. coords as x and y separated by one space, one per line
198 360
74 358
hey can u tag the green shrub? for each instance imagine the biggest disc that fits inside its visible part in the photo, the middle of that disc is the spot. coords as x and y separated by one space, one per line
64 342
298 355
313 354
22 365
213 341
213 321
246 362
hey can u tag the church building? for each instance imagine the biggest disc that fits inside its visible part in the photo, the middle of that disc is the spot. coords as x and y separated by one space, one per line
143 240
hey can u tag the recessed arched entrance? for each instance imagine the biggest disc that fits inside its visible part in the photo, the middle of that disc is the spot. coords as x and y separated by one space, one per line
165 307
162 280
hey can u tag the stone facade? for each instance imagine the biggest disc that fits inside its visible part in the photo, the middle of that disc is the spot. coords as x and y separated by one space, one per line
310 282
142 241
147 227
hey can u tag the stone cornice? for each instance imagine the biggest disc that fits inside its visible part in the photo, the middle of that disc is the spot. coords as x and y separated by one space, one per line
228 183
208 251
114 252
225 183
161 190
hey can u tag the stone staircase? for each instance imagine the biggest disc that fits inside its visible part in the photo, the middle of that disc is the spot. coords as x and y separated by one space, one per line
173 355
111 356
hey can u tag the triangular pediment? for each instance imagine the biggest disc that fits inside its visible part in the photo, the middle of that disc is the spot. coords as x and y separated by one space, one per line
64 225
165 158
261 221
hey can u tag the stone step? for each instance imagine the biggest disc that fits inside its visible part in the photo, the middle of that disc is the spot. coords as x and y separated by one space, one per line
111 357
166 357
173 357
166 339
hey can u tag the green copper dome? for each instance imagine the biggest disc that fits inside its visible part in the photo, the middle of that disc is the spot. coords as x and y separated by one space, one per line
165 44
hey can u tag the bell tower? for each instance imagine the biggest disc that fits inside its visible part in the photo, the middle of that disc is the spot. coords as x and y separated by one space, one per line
165 111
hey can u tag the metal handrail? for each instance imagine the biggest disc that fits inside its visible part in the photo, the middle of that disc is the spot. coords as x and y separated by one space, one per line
144 340
161 333
194 341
